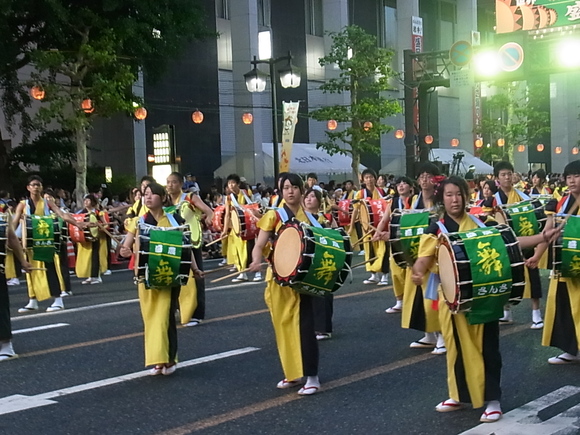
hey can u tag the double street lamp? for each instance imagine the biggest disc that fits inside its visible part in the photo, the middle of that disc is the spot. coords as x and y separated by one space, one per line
256 82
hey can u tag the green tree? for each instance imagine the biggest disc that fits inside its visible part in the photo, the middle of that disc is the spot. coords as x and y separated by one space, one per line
365 69
82 50
519 114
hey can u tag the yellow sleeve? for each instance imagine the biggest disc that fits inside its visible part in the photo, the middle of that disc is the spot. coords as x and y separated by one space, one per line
269 221
427 245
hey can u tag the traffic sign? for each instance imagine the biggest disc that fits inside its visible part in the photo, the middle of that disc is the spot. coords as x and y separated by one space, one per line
460 53
511 56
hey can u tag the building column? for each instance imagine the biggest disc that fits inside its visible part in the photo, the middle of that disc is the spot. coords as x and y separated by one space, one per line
244 27
565 125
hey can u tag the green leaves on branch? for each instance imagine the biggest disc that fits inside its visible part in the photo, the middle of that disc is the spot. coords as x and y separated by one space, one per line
363 71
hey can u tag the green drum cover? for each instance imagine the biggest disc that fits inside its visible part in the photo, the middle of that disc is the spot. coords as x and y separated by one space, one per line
523 218
412 225
570 253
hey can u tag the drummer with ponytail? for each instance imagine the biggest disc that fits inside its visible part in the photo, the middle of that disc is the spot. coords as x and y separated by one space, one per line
291 312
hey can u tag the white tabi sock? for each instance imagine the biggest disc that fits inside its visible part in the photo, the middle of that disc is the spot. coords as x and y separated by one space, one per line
536 316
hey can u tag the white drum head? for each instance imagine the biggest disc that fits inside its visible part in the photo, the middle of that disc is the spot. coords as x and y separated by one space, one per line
287 252
447 273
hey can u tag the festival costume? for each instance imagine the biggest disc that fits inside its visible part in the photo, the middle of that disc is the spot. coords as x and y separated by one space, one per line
92 257
533 287
323 306
418 312
473 356
239 251
42 284
376 249
192 294
158 307
291 313
562 317
398 274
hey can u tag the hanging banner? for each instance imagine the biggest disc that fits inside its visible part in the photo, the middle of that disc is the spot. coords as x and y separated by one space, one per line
416 47
514 15
290 117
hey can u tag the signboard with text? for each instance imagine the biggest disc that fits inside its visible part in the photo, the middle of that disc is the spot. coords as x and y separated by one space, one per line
514 15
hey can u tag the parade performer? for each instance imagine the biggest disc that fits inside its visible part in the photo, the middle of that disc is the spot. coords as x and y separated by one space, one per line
239 250
46 279
400 202
323 306
379 267
92 257
508 194
6 349
138 208
192 209
419 312
562 320
291 312
473 355
539 186
158 305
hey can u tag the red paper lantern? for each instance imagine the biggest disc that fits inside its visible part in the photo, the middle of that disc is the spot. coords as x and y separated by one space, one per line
331 124
197 117
140 113
87 105
399 134
428 139
247 118
37 92
540 147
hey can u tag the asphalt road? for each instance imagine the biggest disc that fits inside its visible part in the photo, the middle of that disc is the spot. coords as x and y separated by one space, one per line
372 382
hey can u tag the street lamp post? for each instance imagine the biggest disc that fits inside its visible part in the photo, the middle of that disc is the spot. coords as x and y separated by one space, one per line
256 82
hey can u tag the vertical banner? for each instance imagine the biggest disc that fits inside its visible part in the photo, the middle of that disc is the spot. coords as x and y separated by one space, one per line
290 117
416 47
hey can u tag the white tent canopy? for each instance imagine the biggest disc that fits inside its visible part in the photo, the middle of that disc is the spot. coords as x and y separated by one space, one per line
445 156
305 159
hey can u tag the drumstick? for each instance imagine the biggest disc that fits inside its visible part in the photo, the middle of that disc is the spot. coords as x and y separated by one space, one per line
229 275
37 268
217 269
363 263
216 240
101 226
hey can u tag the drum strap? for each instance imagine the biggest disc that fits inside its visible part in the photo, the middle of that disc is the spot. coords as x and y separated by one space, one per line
170 218
418 201
523 196
313 220
246 197
235 201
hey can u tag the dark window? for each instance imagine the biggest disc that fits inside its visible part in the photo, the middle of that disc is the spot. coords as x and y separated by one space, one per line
264 8
222 9
314 21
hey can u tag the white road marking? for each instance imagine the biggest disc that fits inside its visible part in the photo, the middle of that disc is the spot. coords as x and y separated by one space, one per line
525 419
112 304
19 402
40 328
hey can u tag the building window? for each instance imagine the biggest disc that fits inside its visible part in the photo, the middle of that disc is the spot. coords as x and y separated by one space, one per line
264 10
389 26
314 21
448 14
222 9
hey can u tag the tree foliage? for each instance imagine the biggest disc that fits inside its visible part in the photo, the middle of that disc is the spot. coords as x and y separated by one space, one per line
365 69
516 113
86 49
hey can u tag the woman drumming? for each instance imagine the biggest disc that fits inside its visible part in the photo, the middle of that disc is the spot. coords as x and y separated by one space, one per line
323 306
473 356
158 305
92 257
291 312
192 295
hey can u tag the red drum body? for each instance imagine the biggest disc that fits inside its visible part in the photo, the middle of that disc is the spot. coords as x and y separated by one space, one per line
219 215
244 222
87 235
344 215
371 213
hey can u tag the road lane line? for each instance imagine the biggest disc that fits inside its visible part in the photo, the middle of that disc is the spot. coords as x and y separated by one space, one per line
20 402
279 401
110 304
139 334
39 328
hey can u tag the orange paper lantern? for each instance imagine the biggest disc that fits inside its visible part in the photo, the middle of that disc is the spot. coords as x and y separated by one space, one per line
87 106
478 142
575 150
558 150
454 142
140 113
399 134
500 142
540 147
151 158
37 92
331 124
428 139
367 126
521 148
247 118
197 117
